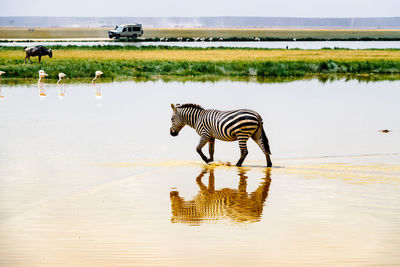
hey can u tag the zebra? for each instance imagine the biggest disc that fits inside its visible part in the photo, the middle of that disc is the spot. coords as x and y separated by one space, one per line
213 124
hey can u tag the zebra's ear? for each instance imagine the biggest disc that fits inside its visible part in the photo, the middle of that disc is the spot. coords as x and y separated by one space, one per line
173 107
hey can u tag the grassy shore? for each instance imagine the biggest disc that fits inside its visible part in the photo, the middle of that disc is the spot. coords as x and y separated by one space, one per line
147 62
151 34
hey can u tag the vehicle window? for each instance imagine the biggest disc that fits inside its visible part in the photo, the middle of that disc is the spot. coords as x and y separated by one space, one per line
130 29
136 29
124 30
119 29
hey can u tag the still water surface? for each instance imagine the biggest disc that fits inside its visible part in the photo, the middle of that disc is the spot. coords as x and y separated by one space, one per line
89 181
279 45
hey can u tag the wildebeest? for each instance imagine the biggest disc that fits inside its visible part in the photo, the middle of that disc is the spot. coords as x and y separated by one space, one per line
39 51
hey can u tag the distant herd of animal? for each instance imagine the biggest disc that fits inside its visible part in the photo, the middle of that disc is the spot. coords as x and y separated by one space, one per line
236 125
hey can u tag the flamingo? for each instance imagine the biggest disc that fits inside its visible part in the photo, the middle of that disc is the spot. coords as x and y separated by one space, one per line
1 73
61 76
42 74
97 75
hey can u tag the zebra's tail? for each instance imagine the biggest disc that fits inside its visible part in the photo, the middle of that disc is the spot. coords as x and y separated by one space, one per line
265 141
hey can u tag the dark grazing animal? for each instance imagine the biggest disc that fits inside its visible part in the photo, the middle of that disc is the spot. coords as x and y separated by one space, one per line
37 51
213 124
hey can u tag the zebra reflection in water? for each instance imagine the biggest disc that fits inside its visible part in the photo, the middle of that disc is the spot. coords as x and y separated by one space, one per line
236 205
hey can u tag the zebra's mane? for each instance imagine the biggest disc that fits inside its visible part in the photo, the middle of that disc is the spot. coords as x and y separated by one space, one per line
190 105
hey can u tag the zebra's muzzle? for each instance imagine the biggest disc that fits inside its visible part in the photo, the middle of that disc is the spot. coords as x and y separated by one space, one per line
173 132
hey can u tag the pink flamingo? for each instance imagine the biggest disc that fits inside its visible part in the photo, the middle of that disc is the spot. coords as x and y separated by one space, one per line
42 75
61 76
97 75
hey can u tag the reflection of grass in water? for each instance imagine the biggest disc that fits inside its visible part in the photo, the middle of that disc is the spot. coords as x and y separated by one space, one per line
120 63
323 78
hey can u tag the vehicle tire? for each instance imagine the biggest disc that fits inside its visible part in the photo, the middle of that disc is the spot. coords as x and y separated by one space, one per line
117 36
134 36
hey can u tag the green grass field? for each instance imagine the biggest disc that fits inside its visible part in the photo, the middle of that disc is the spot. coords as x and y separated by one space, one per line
148 62
230 34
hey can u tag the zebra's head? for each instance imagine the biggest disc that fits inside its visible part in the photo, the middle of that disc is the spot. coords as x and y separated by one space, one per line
176 120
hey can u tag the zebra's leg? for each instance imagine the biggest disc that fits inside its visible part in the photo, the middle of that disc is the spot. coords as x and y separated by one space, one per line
243 148
257 137
203 142
211 149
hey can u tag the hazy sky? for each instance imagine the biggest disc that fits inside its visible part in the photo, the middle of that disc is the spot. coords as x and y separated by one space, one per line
189 8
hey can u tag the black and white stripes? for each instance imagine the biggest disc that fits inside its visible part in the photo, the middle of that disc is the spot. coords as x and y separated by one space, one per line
213 124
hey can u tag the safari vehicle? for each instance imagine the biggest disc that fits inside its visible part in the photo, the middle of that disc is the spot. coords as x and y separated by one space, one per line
130 31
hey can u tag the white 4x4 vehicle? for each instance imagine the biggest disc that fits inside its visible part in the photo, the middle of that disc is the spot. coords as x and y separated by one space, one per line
131 30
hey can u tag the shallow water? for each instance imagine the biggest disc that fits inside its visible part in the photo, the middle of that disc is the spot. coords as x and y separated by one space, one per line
279 45
88 181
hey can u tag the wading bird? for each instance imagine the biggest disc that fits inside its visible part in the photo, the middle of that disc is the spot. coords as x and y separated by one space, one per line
42 75
97 75
61 87
1 73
